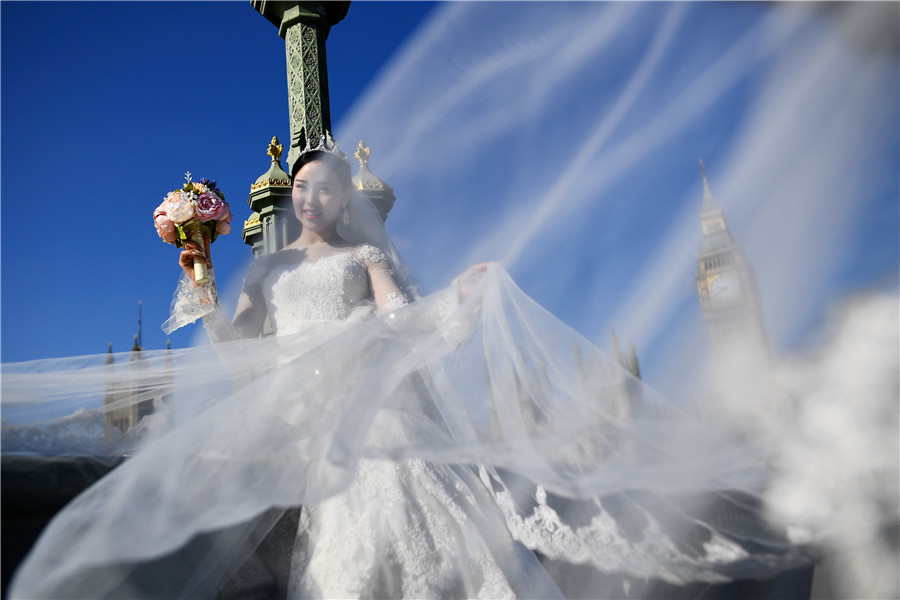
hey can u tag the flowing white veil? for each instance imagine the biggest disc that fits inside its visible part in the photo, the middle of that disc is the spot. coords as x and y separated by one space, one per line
497 382
583 463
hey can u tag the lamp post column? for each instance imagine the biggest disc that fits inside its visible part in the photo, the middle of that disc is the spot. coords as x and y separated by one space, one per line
304 26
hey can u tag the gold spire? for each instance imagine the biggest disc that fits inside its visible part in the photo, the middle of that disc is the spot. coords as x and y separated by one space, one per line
275 176
364 179
362 153
378 192
275 149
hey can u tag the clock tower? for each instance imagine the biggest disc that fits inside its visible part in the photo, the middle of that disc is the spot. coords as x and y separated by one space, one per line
726 283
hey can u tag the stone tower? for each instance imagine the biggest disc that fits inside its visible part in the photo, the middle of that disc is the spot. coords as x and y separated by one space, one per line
129 394
726 283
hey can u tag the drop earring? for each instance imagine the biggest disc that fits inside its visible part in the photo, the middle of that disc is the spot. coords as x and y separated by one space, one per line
346 217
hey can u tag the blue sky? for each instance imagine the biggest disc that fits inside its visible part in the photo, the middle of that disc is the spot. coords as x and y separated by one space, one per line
105 105
561 139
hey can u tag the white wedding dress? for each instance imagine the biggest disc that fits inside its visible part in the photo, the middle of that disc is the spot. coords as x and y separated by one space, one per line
436 450
408 528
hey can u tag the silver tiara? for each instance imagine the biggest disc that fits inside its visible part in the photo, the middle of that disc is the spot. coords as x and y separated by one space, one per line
326 144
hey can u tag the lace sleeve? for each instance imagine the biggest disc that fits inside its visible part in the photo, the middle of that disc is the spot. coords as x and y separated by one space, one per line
192 302
387 294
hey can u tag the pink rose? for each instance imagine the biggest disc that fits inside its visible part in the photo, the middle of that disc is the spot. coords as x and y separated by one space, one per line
179 207
164 227
210 207
223 225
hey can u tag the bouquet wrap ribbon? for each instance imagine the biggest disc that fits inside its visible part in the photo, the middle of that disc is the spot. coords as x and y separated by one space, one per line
193 231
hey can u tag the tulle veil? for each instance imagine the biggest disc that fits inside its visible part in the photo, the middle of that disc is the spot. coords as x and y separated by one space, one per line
583 463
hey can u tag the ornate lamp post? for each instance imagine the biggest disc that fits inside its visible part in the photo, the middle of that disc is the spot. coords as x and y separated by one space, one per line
304 26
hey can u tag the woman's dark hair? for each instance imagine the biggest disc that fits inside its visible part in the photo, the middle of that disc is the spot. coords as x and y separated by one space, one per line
338 165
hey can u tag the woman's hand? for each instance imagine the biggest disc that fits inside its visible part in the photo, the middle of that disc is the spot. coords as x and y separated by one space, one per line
191 251
469 279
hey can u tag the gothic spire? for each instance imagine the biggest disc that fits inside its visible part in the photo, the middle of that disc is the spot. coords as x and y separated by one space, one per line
709 201
634 366
616 350
712 218
138 339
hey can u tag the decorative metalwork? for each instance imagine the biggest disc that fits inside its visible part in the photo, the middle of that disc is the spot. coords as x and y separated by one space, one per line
275 149
305 85
362 153
275 175
378 192
370 185
270 182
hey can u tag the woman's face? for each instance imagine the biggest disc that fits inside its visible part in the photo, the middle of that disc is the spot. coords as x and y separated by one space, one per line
318 196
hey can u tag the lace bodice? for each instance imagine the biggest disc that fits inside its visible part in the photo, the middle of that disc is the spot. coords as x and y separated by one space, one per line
300 289
313 293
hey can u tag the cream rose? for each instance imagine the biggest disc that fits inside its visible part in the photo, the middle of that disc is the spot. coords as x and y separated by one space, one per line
179 207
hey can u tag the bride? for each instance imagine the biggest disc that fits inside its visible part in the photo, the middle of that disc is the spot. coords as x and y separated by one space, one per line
465 444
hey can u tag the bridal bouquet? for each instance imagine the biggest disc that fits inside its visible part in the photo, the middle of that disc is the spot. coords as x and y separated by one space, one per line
189 213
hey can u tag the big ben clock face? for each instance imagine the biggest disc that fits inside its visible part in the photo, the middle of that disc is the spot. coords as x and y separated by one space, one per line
724 289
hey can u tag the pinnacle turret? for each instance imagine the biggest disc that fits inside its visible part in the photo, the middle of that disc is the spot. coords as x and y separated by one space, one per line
634 366
378 192
614 346
709 201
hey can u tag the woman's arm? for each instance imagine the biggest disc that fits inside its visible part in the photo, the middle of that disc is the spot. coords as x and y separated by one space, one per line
387 294
247 322
250 313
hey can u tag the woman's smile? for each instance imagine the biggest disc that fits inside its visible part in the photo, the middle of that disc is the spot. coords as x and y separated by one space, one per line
318 197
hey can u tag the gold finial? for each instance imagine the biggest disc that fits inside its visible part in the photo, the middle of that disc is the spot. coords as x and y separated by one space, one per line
362 154
275 149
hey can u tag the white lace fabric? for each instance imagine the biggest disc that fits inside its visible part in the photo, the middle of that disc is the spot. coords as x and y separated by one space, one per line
297 288
376 425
